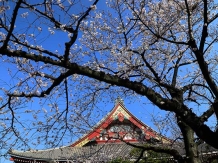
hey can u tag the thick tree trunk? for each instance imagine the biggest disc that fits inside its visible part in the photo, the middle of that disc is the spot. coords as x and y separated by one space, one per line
191 148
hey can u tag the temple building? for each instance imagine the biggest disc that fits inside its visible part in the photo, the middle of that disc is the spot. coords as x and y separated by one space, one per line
104 143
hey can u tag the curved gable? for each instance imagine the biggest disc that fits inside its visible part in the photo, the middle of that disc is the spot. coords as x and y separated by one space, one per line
102 134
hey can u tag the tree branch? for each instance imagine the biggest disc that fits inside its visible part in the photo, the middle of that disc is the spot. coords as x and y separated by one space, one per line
204 67
190 31
158 149
204 30
12 24
202 130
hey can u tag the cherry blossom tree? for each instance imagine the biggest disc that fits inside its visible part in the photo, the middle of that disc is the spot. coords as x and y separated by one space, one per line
69 55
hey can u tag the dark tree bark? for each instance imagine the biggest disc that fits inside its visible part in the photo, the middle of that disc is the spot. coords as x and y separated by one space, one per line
191 147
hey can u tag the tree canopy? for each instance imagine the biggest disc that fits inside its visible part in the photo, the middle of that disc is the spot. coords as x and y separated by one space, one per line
164 51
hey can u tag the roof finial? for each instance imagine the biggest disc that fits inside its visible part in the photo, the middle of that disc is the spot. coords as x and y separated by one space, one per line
119 100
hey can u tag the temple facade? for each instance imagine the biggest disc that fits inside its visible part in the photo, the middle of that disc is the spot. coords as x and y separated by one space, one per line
119 124
104 143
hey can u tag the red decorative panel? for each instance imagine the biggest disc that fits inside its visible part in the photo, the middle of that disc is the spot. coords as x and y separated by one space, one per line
120 117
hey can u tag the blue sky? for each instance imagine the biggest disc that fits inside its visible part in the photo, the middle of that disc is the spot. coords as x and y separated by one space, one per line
140 107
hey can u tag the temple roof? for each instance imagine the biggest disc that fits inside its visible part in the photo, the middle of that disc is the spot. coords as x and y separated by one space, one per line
120 112
108 149
103 152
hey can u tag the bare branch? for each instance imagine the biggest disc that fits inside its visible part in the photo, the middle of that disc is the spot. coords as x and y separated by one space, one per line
12 25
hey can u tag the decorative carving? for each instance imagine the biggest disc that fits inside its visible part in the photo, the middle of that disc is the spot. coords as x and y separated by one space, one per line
122 111
120 117
119 100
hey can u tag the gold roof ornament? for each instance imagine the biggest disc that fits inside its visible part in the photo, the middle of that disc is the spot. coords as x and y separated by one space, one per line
119 100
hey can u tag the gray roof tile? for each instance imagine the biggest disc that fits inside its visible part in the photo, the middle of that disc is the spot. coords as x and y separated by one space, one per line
104 151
